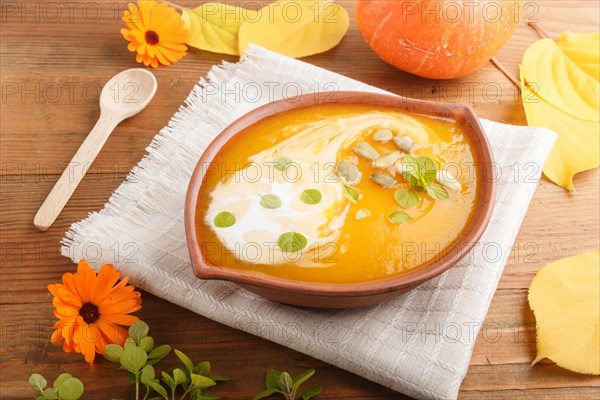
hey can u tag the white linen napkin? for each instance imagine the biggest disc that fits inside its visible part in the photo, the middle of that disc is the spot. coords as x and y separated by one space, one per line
419 343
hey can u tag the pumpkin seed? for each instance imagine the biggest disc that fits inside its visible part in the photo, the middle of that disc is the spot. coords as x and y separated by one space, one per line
362 214
404 143
448 180
387 160
348 172
383 179
383 136
367 151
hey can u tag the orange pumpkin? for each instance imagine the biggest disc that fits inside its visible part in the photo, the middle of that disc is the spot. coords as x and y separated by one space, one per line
439 39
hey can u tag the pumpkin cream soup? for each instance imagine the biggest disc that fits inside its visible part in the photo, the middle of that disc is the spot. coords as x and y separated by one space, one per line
337 193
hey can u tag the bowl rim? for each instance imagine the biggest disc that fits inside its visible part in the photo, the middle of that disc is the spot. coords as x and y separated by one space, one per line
459 112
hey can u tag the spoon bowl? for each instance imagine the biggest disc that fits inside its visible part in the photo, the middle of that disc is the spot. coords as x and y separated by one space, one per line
128 92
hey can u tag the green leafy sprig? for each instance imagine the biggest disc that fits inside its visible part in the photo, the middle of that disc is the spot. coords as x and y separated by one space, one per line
282 383
420 173
65 387
138 356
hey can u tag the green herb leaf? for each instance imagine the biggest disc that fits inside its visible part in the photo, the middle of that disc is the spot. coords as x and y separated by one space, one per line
399 217
147 374
411 167
351 193
168 379
138 331
50 393
311 392
301 378
70 389
37 382
147 344
206 396
60 380
311 196
285 382
133 359
282 163
406 198
271 201
362 214
179 376
292 241
428 169
159 353
272 378
113 352
185 360
437 192
157 387
266 393
201 382
218 378
129 343
224 219
202 368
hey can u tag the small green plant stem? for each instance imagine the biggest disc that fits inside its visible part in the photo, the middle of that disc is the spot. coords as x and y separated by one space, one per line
137 385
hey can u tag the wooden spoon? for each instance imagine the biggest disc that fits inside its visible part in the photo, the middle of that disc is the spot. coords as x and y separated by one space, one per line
125 95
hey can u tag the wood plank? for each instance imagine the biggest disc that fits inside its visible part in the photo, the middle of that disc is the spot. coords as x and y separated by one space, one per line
42 128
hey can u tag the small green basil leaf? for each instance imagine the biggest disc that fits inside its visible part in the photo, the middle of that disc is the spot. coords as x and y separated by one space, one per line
218 378
285 382
133 359
406 198
160 352
138 331
168 380
201 382
60 379
37 382
147 374
266 393
399 217
113 352
179 376
292 241
272 378
224 219
311 196
202 368
303 377
50 393
157 387
282 163
351 193
312 392
411 166
147 344
270 201
70 389
437 192
185 360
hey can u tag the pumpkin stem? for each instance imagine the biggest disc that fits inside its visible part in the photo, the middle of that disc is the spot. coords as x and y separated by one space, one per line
538 30
505 72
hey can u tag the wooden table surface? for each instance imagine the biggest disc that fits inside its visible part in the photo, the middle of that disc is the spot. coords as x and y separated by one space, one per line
55 56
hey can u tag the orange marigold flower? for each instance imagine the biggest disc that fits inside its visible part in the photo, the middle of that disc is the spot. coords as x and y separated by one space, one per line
155 32
92 309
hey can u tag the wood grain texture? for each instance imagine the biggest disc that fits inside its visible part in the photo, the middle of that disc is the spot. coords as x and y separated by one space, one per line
52 72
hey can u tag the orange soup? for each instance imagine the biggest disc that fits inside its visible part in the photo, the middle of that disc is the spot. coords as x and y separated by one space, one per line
337 193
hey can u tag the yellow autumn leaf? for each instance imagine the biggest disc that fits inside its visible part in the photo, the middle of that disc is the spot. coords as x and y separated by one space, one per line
561 91
215 26
296 28
565 298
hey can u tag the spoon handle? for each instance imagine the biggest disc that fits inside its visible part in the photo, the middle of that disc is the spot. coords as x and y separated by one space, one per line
72 175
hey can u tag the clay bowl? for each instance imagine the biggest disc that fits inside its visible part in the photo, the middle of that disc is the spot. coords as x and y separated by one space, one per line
354 294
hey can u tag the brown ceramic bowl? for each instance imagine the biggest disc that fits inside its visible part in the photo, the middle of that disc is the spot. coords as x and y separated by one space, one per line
352 294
